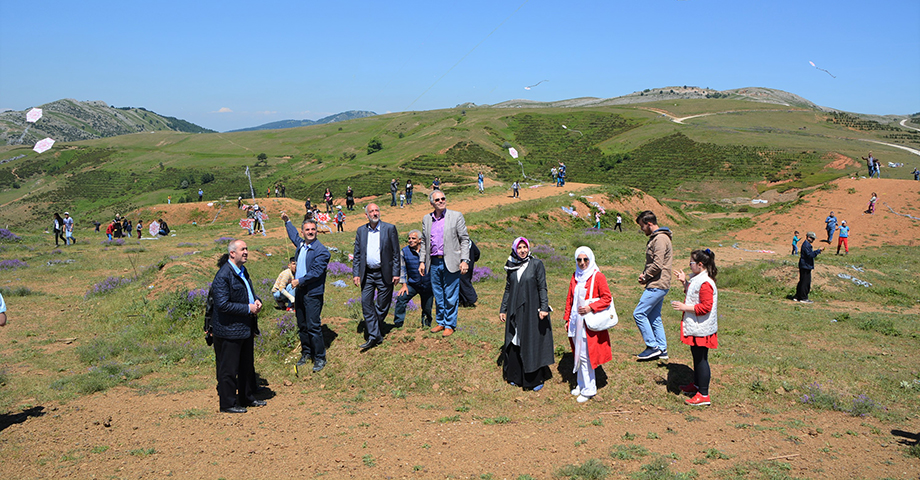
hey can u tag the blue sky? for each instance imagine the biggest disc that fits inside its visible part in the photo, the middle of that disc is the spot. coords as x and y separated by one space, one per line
230 64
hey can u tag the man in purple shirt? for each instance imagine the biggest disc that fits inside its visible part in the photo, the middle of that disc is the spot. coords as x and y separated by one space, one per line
444 256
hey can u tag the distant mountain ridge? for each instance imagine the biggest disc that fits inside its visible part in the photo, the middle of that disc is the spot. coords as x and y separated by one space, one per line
69 120
339 117
755 94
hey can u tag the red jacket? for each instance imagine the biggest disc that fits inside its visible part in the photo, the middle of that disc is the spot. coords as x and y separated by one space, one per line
598 342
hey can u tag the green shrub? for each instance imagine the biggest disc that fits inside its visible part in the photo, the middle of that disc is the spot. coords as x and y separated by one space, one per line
591 469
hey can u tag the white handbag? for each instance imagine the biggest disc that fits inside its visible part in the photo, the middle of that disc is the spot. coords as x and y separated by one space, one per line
603 320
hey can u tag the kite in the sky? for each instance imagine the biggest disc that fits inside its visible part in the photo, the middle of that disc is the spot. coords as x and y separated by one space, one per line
823 70
534 85
34 115
43 145
513 152
572 129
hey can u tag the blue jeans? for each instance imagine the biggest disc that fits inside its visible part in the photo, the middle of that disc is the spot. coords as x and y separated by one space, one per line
446 288
648 318
426 298
281 299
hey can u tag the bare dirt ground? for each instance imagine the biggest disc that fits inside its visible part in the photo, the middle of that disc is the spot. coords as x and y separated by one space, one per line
307 431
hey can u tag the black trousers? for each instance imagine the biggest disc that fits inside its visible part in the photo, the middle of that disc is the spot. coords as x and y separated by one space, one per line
236 372
309 324
701 372
618 226
804 287
375 312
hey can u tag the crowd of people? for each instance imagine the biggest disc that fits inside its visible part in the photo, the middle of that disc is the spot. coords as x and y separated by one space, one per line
431 266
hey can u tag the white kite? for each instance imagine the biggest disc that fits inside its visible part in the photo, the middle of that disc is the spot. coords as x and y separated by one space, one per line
534 85
43 145
154 228
34 115
572 129
513 152
823 70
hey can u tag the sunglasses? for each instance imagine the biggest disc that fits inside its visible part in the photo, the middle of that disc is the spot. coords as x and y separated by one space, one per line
442 199
581 260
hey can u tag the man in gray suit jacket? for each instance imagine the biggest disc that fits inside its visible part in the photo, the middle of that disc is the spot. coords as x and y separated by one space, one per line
376 269
446 253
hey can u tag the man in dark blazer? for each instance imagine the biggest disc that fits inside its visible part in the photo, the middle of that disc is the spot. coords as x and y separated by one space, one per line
446 255
235 325
376 269
309 288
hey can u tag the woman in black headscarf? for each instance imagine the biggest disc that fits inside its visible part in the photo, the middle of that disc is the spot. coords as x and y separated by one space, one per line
528 349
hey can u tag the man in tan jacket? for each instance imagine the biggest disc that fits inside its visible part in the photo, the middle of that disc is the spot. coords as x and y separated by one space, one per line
657 280
282 290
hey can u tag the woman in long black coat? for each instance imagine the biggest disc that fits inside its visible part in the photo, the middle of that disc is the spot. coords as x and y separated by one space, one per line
528 349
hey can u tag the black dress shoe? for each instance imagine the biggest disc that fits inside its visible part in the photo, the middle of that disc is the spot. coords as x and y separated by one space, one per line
233 409
257 403
318 364
371 343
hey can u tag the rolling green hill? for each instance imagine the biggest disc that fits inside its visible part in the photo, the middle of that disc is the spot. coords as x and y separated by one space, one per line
69 120
729 145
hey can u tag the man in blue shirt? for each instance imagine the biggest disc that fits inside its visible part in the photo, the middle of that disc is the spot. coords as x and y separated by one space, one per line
310 286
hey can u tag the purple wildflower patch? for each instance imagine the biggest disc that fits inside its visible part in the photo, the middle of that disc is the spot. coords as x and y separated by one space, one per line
12 264
337 269
116 241
8 236
197 295
223 240
107 286
482 273
543 250
185 244
57 251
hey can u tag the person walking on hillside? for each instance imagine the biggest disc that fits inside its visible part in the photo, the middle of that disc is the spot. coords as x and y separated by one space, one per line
870 164
327 197
561 174
481 182
699 324
657 280
916 174
394 189
350 199
140 229
409 188
68 229
806 265
339 219
871 208
597 219
200 194
310 285
445 256
831 227
843 238
376 271
878 168
515 190
59 230
795 243
619 224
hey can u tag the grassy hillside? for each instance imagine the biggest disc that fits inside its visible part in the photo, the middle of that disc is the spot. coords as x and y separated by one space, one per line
731 144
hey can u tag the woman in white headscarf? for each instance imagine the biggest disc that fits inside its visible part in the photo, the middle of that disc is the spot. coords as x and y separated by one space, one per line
588 292
528 349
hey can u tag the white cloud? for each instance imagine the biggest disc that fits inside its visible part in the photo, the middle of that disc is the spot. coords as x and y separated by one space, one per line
224 110
266 112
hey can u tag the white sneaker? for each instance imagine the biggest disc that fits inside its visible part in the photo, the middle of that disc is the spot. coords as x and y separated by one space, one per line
582 399
576 391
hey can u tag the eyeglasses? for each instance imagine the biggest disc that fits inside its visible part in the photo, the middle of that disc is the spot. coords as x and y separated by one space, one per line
442 199
581 260
693 263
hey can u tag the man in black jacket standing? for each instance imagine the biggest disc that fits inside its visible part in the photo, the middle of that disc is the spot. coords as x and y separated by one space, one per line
235 325
806 265
376 271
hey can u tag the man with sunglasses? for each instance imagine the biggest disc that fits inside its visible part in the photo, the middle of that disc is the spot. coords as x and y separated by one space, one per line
445 256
